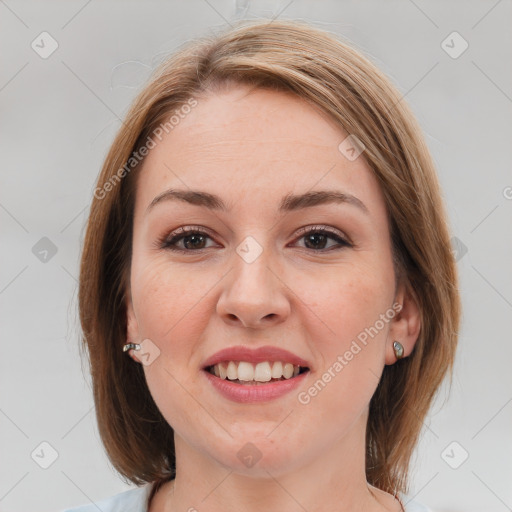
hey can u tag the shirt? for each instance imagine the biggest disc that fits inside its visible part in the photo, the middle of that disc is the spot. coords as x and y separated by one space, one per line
136 500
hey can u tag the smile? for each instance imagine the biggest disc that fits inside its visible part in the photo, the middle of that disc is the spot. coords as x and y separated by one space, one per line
243 372
231 385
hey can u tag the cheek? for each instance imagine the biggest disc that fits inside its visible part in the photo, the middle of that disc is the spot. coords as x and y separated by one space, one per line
165 298
346 312
173 307
346 301
170 312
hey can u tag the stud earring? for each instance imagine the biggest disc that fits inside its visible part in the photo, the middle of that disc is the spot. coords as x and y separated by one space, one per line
129 346
134 346
399 349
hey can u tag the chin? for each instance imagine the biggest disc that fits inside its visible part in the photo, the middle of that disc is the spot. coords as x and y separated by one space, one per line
256 455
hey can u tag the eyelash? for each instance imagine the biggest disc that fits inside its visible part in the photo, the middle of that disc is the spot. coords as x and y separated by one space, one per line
169 241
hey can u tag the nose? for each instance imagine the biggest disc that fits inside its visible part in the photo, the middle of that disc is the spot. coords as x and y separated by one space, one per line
254 295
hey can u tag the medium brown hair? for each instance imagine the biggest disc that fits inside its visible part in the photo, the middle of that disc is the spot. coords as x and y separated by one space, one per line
332 76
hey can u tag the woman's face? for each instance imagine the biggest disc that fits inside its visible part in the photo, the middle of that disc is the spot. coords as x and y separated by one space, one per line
251 276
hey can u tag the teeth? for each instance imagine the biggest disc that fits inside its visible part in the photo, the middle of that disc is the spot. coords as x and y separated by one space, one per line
232 371
261 372
245 371
288 370
277 370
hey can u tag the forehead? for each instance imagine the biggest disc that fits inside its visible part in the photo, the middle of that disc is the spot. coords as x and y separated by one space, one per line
257 144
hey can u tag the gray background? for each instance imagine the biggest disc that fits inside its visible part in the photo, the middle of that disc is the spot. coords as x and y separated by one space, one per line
59 115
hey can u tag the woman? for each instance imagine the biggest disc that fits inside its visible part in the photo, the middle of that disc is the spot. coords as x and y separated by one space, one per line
268 243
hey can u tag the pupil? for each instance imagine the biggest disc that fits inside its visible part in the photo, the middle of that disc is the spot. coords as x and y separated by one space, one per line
316 236
193 237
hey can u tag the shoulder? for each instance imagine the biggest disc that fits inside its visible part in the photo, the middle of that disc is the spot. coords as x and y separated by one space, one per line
411 505
132 500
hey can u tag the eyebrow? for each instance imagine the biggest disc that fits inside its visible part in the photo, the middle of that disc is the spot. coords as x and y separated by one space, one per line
289 203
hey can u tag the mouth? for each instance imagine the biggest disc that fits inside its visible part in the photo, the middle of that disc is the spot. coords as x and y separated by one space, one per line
259 374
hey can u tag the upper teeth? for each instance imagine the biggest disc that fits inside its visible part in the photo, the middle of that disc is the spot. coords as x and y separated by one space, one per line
261 372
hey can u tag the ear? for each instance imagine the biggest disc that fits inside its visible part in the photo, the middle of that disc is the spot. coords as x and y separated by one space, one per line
405 325
132 326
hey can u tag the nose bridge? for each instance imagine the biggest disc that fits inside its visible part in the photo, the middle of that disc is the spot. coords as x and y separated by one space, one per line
251 267
253 295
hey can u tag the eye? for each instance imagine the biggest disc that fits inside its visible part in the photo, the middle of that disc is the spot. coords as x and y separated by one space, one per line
194 239
316 237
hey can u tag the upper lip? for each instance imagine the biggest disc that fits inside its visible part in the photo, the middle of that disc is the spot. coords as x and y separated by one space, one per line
255 355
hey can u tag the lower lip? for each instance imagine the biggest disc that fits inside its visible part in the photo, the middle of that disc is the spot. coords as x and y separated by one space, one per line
247 393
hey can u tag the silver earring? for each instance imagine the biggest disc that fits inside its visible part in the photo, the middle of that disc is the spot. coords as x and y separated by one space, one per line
399 349
129 346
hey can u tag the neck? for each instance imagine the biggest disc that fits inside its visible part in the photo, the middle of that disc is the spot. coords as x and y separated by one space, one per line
334 480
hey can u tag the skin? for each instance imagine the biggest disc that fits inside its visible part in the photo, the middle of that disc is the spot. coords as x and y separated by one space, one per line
252 147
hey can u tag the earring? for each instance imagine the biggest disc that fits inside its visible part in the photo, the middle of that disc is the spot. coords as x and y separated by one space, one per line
399 349
129 346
